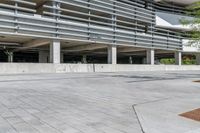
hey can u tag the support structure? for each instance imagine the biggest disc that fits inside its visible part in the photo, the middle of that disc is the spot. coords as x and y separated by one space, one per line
112 54
10 57
130 60
33 44
178 58
150 56
61 57
87 47
43 57
198 59
55 52
84 59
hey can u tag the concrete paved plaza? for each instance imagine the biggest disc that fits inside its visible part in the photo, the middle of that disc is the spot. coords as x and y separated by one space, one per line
134 102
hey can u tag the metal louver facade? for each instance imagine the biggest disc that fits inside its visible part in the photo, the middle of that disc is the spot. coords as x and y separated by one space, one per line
112 22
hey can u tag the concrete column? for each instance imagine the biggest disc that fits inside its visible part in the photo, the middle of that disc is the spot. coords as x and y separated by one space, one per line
55 52
198 59
43 57
84 59
144 60
178 58
61 57
150 56
10 57
130 60
112 54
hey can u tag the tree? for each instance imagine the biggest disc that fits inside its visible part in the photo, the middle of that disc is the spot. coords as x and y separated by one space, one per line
194 24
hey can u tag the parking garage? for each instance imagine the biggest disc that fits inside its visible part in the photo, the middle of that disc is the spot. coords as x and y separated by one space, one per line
87 32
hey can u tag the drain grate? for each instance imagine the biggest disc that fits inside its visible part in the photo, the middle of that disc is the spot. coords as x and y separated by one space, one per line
194 115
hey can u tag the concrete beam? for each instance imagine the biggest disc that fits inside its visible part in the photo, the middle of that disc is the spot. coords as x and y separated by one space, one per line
178 58
150 56
55 52
112 54
129 49
33 43
88 47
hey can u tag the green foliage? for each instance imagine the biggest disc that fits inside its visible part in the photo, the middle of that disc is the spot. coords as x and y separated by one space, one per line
167 61
189 62
186 61
194 34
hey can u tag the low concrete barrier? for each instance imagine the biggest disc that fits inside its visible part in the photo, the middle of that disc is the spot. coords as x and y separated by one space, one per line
13 68
127 68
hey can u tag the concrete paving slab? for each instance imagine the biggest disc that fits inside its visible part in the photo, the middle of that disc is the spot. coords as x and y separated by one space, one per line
99 102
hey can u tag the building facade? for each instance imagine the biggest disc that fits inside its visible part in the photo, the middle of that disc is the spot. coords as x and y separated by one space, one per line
91 31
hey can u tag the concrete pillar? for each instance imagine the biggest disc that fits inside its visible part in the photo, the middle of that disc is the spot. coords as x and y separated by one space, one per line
55 52
150 56
130 60
10 57
112 54
178 58
43 57
198 59
84 59
61 57
144 60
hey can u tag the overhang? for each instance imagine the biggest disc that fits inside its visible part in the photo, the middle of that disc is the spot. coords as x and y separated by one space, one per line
181 2
171 21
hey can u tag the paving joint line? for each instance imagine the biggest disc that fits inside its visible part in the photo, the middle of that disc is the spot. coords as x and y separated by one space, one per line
136 114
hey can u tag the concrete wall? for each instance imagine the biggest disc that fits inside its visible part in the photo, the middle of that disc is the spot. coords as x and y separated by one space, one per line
127 68
13 68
